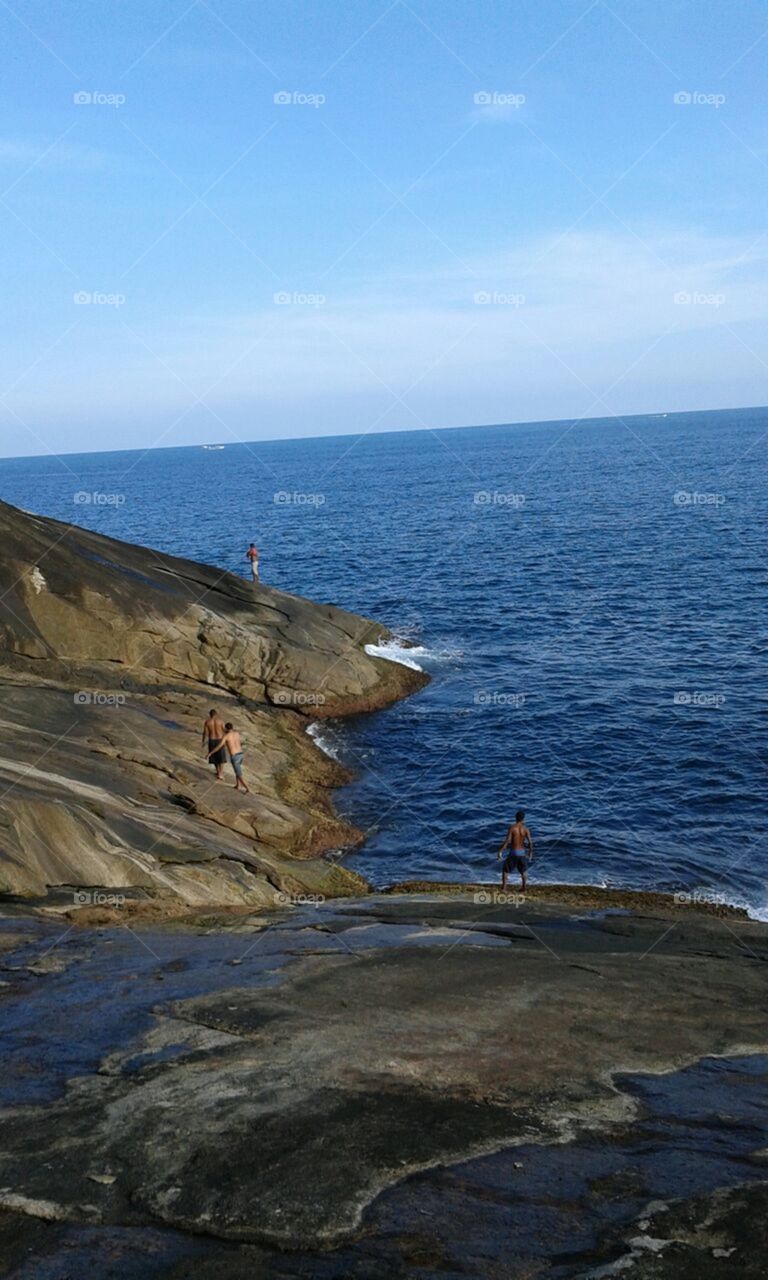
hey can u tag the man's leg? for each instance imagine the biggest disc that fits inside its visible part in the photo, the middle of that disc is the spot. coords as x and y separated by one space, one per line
238 768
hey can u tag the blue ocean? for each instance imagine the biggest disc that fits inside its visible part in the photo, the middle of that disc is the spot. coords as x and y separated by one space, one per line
589 599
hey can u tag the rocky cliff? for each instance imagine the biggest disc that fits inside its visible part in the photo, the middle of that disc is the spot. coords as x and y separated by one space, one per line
111 656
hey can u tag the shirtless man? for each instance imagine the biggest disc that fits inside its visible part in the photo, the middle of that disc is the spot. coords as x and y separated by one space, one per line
232 743
213 732
252 554
520 845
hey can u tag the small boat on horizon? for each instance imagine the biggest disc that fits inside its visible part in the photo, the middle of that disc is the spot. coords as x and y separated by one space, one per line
214 446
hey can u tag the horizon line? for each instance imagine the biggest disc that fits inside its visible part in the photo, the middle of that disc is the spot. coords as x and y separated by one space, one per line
344 435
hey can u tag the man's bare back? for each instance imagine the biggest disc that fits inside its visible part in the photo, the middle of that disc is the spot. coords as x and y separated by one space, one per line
519 842
518 837
213 732
213 727
232 742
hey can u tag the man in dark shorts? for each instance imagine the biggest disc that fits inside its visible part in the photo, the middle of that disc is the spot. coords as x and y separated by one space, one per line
520 845
213 732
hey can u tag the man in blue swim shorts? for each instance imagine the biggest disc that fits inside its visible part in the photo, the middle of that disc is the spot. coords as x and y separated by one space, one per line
520 845
232 744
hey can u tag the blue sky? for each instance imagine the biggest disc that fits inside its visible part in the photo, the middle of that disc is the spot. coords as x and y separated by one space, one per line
464 213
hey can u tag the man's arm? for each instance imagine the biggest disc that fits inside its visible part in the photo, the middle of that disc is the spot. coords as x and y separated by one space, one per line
507 840
529 838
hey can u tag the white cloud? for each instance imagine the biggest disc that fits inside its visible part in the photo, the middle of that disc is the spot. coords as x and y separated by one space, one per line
599 331
63 155
582 291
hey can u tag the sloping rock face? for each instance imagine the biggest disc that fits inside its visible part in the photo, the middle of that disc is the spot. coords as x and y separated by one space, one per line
111 656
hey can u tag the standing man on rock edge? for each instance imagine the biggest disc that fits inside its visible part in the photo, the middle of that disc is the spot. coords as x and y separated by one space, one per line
520 844
252 554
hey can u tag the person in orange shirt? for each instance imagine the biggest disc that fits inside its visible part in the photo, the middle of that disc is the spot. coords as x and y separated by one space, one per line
252 554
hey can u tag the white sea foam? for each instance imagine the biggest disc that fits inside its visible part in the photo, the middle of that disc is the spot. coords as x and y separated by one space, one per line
394 651
323 739
399 649
756 913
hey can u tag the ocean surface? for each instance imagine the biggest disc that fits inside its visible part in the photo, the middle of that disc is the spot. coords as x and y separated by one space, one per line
589 599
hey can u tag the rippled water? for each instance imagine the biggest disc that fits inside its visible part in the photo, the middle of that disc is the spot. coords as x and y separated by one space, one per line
589 599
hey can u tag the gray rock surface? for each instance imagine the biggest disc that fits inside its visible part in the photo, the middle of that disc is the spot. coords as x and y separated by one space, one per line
110 657
273 1082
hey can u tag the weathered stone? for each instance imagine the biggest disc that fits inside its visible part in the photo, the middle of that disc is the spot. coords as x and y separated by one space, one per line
277 1111
110 657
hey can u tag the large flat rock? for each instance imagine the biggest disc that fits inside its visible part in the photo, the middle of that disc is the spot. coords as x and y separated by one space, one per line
273 1082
